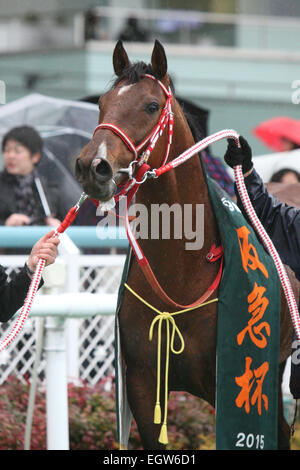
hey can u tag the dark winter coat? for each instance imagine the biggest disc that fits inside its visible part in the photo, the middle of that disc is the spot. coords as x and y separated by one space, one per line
8 202
12 293
281 222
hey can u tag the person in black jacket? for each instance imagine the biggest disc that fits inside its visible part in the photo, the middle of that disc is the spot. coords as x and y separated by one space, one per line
20 199
13 293
281 222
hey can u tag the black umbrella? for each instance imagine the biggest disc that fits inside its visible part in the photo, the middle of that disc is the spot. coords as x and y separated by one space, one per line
65 127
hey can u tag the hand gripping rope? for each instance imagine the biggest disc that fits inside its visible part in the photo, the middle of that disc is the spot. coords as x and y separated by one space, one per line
35 281
199 146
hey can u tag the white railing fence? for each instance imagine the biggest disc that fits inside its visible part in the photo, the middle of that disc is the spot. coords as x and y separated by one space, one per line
89 339
69 334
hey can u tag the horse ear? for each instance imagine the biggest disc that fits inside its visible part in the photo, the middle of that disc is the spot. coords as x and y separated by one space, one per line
120 59
159 60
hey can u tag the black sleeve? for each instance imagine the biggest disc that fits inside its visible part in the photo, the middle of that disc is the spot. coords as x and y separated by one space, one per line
5 211
281 222
12 293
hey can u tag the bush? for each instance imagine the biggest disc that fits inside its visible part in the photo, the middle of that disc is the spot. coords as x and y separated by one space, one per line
92 419
13 409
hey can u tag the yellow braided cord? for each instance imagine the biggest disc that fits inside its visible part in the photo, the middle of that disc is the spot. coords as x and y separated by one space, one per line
168 317
122 447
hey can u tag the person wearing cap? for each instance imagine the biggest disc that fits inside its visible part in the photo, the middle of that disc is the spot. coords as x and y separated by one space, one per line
281 222
20 199
13 293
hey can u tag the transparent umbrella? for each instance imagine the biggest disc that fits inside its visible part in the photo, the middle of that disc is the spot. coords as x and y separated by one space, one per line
65 127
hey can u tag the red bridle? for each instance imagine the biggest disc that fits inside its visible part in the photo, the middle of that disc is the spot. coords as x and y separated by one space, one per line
144 171
166 118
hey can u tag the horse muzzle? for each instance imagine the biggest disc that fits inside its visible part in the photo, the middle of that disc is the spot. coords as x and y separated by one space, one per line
97 181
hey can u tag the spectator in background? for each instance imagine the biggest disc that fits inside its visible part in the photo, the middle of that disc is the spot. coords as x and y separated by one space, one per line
90 25
95 26
21 201
288 144
132 31
286 176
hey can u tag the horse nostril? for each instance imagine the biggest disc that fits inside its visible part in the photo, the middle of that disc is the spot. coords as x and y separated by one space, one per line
79 169
102 170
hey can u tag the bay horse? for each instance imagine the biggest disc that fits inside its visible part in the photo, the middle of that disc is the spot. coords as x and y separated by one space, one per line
129 111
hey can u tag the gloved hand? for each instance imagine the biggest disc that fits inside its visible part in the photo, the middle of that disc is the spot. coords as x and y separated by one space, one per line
239 155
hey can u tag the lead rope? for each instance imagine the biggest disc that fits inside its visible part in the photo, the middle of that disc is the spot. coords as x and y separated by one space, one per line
36 279
242 190
257 225
239 178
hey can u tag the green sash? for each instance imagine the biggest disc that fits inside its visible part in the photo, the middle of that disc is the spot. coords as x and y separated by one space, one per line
248 335
124 415
248 338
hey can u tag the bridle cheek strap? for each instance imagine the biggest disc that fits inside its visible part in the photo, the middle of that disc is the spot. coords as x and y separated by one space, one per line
166 117
132 186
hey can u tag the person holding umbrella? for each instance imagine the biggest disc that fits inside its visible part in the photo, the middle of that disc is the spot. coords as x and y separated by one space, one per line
13 292
23 199
281 222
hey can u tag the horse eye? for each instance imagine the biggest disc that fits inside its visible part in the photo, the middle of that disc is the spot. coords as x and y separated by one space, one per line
152 108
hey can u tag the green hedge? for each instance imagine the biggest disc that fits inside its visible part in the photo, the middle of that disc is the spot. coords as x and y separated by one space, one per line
92 419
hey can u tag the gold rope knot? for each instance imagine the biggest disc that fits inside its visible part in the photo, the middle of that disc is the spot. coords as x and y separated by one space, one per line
169 318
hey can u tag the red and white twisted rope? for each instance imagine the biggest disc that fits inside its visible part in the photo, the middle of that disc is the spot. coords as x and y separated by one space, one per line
225 134
285 282
36 279
35 282
257 225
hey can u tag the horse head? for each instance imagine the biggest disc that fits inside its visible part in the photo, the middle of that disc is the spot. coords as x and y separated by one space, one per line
129 112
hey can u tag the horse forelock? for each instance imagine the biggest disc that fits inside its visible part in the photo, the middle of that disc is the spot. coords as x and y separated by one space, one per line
135 72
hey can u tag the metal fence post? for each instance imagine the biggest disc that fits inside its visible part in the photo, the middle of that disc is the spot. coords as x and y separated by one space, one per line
70 254
56 366
56 385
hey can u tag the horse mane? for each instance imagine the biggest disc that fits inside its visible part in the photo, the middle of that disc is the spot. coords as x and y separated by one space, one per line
198 132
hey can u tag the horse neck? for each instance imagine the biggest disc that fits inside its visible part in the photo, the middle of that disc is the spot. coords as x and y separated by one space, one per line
184 185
